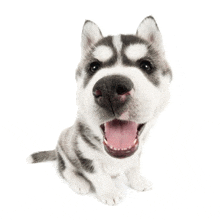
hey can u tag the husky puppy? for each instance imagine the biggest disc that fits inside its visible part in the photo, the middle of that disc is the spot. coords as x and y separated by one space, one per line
122 86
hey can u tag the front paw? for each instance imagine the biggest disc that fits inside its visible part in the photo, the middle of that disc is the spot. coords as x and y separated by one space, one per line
141 184
111 198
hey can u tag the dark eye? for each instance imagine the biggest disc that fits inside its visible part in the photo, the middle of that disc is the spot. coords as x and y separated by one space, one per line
94 66
146 66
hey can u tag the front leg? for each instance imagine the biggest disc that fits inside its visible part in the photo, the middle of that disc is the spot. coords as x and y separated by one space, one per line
136 181
105 188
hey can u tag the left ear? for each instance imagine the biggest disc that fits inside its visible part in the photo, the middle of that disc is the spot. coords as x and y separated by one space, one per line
149 31
91 34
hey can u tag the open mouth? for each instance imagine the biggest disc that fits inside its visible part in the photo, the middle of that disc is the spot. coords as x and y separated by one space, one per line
121 137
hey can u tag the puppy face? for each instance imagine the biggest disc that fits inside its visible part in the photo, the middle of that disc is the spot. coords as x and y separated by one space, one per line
122 83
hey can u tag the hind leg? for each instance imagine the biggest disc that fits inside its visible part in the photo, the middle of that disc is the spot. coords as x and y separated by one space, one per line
76 182
71 174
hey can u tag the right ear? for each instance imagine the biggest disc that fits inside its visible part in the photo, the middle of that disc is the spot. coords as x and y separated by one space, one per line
91 34
149 31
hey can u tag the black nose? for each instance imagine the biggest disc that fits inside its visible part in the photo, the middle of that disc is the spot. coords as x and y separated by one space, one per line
113 92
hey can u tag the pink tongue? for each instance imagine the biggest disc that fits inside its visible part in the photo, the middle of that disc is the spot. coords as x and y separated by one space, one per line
120 134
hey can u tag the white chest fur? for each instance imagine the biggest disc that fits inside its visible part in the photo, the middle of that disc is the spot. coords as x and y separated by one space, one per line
114 167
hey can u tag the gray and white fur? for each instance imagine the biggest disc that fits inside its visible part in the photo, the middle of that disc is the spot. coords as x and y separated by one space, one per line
136 66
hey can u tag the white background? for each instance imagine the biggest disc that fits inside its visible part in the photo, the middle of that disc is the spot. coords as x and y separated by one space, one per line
39 53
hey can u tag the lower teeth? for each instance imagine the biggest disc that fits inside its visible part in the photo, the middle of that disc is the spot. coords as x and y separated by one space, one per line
122 149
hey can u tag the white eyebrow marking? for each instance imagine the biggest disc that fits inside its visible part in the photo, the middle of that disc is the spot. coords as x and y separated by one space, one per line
136 51
103 53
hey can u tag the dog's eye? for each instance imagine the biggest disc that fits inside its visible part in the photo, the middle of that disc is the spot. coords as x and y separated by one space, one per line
146 66
94 66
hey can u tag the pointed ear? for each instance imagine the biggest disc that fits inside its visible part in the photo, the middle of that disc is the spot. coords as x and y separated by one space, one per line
149 31
91 34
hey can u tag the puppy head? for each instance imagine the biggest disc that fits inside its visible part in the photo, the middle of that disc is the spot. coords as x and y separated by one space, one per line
123 84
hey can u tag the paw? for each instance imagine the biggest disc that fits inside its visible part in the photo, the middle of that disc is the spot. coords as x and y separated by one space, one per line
80 186
111 198
141 184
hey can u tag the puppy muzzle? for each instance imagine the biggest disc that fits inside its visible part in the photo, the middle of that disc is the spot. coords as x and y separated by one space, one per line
113 93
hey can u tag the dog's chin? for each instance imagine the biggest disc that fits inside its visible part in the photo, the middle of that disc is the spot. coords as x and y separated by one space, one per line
121 138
